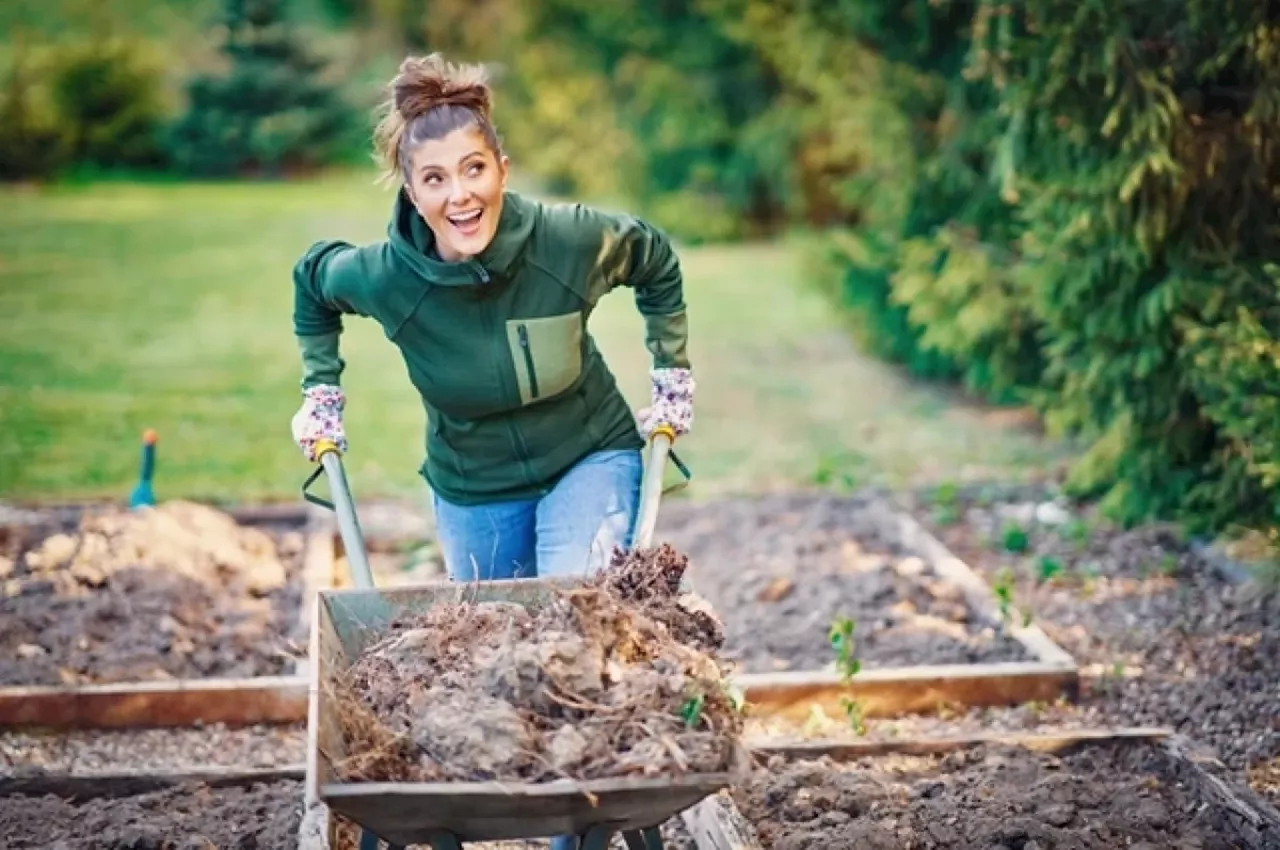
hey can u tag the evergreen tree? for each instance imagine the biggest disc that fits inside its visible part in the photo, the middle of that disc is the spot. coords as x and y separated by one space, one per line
272 112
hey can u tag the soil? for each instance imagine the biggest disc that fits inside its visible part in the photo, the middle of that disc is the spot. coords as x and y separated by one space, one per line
614 677
1170 638
781 569
152 750
197 817
1099 797
176 591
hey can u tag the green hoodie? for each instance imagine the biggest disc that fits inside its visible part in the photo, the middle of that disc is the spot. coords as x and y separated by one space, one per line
514 388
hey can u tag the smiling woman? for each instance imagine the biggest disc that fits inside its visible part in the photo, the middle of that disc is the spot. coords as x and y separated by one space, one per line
533 455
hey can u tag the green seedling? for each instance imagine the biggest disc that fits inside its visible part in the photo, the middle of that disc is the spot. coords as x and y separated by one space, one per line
1169 565
1014 539
841 638
853 714
691 711
1003 589
945 515
1047 568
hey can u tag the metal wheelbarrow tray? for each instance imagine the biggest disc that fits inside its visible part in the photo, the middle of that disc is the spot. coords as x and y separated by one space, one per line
443 814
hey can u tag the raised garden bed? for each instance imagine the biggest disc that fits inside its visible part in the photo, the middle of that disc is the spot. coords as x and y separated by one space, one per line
783 570
1093 794
1164 632
167 616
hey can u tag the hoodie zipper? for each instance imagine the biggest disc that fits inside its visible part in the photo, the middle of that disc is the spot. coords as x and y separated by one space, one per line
523 331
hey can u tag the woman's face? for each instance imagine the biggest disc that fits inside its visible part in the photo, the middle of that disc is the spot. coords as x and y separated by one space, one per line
456 183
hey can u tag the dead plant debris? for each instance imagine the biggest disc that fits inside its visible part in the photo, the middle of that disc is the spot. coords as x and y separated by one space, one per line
615 677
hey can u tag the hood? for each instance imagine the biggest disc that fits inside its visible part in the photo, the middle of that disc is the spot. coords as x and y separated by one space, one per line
413 242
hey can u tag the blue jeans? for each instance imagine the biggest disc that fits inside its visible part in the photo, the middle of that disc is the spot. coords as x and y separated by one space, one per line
570 531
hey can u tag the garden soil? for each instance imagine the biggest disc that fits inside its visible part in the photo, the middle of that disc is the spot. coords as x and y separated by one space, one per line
176 591
988 798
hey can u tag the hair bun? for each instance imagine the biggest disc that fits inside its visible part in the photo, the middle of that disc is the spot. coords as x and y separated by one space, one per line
427 82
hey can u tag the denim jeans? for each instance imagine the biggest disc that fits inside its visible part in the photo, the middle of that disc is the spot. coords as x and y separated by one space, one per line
570 531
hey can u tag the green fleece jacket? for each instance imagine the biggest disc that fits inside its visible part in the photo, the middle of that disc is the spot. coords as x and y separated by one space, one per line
514 388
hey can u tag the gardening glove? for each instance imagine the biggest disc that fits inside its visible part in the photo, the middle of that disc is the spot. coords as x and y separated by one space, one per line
320 418
671 402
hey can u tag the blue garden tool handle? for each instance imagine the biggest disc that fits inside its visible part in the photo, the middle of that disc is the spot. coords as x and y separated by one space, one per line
343 505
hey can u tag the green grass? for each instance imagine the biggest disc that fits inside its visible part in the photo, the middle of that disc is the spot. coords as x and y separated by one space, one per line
127 306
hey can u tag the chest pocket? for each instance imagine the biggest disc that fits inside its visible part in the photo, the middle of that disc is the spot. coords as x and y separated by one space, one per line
547 352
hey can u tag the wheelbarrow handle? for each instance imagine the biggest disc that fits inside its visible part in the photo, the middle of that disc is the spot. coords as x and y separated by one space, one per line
330 457
660 442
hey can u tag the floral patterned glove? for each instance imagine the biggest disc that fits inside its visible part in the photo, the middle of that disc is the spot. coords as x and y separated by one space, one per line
671 402
320 418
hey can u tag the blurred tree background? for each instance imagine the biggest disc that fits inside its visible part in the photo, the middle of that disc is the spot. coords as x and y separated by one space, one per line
1066 205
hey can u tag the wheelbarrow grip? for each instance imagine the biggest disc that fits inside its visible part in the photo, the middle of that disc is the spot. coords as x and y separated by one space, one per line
660 443
348 524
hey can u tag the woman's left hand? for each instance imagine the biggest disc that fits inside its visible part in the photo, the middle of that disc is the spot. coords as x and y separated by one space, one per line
671 402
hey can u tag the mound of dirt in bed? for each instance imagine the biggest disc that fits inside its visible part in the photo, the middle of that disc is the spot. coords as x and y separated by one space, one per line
614 677
179 590
192 818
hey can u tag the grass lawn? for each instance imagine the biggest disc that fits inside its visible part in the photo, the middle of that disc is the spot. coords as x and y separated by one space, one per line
126 306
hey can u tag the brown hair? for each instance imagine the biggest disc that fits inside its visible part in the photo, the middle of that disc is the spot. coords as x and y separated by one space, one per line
431 98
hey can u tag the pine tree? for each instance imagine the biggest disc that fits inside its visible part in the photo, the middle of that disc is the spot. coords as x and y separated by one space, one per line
272 112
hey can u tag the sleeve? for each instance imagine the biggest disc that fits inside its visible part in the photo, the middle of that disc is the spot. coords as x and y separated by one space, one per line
635 254
327 282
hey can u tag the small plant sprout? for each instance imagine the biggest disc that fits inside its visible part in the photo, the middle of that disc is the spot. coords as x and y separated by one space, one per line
841 638
691 711
853 714
1047 568
1015 539
1003 589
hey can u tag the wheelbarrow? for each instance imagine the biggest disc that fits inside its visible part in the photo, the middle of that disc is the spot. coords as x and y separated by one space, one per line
445 815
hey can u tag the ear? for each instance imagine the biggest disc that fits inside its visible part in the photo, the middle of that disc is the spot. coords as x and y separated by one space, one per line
505 163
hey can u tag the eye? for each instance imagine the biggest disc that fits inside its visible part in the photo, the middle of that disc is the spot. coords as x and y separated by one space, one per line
475 168
431 179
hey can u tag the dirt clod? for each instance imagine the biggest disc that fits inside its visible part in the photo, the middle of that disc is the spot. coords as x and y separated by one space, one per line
176 591
613 677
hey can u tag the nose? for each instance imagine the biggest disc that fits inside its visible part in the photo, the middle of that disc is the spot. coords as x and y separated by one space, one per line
457 193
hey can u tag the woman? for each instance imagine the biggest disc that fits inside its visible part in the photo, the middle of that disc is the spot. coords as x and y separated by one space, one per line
533 456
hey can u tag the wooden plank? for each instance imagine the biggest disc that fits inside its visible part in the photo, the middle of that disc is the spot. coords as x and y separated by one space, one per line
84 786
977 592
888 692
235 702
1256 821
1047 742
716 824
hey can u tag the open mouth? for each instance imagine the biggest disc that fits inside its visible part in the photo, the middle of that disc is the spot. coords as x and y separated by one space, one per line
466 221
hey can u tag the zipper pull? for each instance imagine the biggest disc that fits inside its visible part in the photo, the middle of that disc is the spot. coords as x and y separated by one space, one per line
483 272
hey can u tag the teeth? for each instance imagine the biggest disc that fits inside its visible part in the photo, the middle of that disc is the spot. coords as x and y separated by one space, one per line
465 218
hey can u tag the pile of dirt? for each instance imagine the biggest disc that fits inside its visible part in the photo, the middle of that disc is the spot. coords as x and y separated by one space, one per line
783 568
179 590
995 798
614 677
192 818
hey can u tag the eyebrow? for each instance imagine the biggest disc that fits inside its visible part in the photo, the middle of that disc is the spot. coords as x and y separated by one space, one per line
432 165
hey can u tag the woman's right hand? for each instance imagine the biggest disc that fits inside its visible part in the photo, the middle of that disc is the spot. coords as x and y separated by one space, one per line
320 418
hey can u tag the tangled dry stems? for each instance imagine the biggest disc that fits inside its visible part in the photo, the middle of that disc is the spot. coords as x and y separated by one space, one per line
615 677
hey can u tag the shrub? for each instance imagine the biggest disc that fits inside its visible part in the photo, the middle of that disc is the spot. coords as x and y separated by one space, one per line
108 96
33 143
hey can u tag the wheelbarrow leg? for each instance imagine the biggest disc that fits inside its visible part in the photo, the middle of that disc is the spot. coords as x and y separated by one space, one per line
643 839
369 841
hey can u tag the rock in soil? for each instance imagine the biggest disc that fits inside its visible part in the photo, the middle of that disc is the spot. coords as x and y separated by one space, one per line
614 677
190 818
1171 640
1099 797
781 569
176 591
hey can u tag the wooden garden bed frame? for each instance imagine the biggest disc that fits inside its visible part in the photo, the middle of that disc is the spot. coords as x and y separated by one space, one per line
188 702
